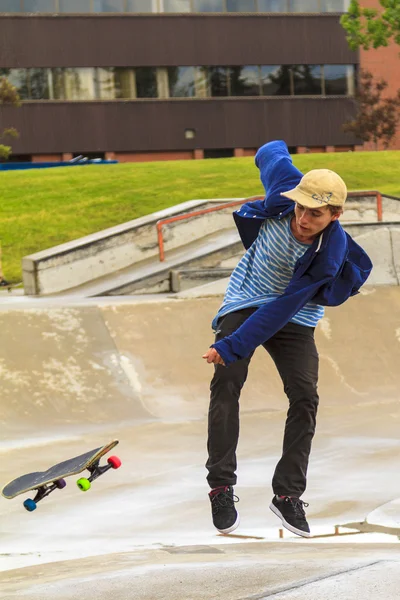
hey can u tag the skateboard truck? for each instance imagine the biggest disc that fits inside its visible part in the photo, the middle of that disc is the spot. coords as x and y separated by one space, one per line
95 470
42 492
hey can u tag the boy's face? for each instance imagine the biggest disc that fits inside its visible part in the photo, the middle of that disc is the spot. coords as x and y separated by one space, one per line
309 222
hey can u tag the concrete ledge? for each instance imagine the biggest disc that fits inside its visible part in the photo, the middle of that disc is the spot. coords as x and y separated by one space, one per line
383 247
183 279
94 256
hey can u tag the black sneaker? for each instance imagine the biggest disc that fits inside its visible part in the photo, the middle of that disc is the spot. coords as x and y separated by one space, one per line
224 514
291 512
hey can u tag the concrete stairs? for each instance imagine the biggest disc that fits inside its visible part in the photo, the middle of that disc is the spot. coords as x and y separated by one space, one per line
204 256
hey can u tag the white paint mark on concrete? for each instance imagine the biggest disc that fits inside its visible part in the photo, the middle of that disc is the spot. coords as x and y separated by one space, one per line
325 326
367 291
131 373
96 366
47 335
340 375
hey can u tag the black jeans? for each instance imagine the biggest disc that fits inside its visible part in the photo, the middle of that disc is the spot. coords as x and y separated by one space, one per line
295 355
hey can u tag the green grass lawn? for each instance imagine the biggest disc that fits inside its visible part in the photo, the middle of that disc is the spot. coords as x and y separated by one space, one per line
45 207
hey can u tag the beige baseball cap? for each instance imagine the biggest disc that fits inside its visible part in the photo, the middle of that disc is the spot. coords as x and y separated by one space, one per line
317 188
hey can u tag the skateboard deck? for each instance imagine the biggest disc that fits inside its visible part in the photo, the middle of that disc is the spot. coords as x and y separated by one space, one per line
46 482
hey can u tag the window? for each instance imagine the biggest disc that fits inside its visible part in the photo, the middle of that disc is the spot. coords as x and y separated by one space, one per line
334 5
114 83
201 85
276 81
58 87
79 84
177 6
39 84
208 5
272 6
181 82
74 84
307 80
339 80
75 6
124 82
12 6
104 83
304 6
19 79
241 6
146 82
245 81
139 6
218 81
39 6
113 6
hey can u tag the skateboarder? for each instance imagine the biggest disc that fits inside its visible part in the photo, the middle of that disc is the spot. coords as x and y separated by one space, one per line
298 260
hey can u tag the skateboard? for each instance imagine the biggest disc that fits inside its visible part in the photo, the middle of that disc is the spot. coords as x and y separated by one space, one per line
46 482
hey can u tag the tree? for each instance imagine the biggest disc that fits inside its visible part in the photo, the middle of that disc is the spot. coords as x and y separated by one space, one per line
377 118
367 27
8 95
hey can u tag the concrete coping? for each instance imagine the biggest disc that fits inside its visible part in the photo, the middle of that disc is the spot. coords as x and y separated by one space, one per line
117 230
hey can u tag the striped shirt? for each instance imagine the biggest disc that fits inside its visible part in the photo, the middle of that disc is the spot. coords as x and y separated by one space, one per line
264 272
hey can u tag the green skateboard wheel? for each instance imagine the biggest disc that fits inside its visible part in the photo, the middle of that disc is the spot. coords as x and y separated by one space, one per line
83 484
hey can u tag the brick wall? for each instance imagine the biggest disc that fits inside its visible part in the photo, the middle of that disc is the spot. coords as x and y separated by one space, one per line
383 62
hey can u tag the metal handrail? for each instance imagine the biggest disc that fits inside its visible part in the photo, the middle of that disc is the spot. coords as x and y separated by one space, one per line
375 194
204 211
197 213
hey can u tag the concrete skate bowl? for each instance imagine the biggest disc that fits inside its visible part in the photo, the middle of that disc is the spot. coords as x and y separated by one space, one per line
75 378
67 371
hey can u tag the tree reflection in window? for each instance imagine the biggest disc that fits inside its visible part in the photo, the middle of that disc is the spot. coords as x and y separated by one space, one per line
181 82
218 81
39 85
245 81
276 81
146 82
307 80
74 84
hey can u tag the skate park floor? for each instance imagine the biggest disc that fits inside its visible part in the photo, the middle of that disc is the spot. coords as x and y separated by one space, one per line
77 375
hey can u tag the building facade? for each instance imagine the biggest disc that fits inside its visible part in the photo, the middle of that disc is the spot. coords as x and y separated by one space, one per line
162 79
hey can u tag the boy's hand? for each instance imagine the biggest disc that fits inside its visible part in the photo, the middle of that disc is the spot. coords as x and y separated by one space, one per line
212 356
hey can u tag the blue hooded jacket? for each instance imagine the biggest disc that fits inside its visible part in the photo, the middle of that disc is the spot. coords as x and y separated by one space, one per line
332 269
